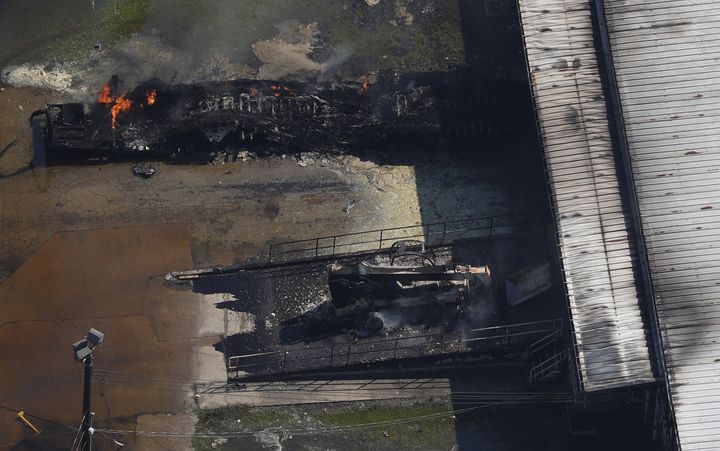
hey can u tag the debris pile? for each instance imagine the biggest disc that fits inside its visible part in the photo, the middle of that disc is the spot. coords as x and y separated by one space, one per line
144 170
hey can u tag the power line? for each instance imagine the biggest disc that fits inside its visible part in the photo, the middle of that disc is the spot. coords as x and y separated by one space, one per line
46 420
305 431
307 387
79 430
293 393
57 382
158 377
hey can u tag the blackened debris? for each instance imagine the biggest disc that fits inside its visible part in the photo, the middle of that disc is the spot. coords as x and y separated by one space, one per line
349 206
144 170
196 122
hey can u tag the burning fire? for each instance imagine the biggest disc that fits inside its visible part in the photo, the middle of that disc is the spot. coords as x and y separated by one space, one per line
151 96
123 104
105 95
253 92
277 90
364 86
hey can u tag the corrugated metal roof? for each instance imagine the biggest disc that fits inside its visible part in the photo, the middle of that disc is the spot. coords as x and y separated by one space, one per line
665 57
597 259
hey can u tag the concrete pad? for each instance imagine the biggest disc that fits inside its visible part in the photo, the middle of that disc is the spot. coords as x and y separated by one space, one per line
180 422
325 391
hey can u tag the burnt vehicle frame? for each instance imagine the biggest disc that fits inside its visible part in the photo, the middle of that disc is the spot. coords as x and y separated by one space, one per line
197 122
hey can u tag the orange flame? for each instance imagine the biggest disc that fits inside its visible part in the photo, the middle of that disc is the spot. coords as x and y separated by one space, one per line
276 90
364 86
105 95
122 104
253 92
151 96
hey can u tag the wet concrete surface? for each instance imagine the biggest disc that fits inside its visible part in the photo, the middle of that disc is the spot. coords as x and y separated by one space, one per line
112 280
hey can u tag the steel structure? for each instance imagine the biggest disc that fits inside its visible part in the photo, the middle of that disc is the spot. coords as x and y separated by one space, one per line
533 337
371 241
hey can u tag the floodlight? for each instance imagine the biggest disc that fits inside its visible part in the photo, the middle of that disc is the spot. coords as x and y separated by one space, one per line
79 345
81 350
95 337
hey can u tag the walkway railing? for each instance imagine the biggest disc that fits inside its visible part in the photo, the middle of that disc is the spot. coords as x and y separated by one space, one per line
432 234
362 352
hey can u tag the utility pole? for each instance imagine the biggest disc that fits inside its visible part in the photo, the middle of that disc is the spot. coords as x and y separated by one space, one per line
87 414
83 352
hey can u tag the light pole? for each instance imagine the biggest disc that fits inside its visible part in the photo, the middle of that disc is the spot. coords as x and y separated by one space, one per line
83 352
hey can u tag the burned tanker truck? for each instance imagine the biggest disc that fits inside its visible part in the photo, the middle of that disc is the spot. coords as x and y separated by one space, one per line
198 122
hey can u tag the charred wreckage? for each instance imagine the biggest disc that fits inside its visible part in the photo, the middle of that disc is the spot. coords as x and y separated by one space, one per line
196 122
409 301
409 281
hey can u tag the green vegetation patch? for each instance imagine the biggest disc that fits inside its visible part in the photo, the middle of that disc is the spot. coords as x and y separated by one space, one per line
239 419
123 19
242 418
403 426
433 41
110 23
361 425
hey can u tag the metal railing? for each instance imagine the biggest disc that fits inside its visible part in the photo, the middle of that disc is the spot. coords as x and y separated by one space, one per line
432 234
362 352
369 241
548 367
544 343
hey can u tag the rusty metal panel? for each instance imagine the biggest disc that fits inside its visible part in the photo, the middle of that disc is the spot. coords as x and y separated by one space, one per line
665 56
595 251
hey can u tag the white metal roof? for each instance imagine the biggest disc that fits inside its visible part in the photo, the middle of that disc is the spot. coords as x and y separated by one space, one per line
666 55
597 259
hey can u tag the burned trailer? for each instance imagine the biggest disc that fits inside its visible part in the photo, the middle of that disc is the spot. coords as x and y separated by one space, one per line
364 294
196 122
